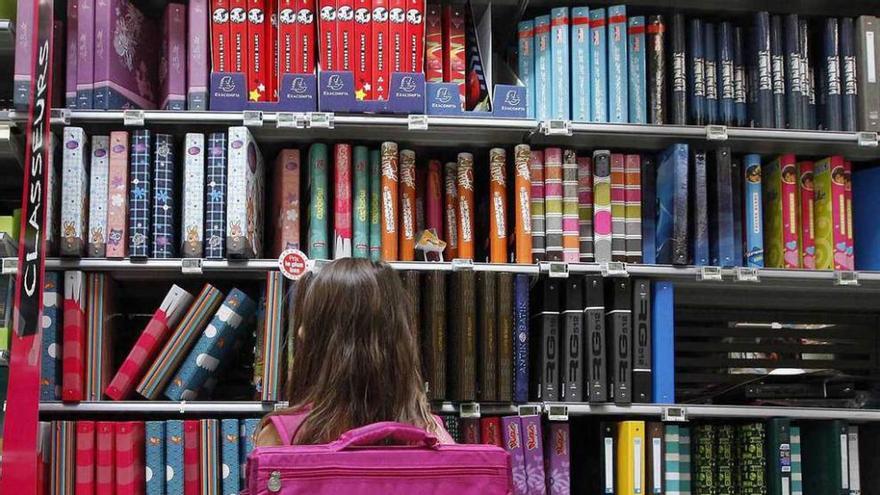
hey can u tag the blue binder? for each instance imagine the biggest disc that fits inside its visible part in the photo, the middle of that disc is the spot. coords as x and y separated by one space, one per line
711 72
164 201
663 343
618 86
672 205
598 66
794 110
866 210
215 197
753 214
833 116
696 73
649 209
849 85
580 64
763 86
543 69
560 63
526 63
777 64
638 99
740 102
726 75
140 194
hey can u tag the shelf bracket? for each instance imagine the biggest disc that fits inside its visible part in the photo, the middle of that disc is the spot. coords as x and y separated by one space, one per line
674 415
132 118
556 127
557 413
867 139
191 266
252 118
321 120
846 278
716 133
709 274
469 410
528 410
417 122
614 269
747 274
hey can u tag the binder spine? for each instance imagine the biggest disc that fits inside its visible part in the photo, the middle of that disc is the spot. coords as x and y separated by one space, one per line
585 209
700 220
763 68
649 209
594 323
450 208
407 205
342 198
662 344
638 108
389 200
849 82
98 188
215 197
497 205
726 75
360 215
506 337
75 192
777 68
193 197
598 66
696 73
140 194
793 80
560 56
572 341
754 217
553 194
633 202
711 75
618 86
833 116
656 66
536 172
620 319
867 47
740 103
375 206
543 75
641 319
679 80
319 242
465 194
164 198
602 218
570 214
580 65
548 318
525 62
521 338
487 339
117 205
523 204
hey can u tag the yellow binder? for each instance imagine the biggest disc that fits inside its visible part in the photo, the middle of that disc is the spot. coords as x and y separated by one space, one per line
631 458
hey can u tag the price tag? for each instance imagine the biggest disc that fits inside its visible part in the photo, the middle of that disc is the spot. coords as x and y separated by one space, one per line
460 264
709 274
747 274
557 413
9 267
60 116
867 139
557 269
614 269
846 278
252 118
417 122
191 266
674 414
469 410
293 263
133 118
556 127
528 410
321 120
716 133
282 404
288 120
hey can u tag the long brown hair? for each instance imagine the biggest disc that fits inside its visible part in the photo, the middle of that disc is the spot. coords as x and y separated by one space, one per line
356 359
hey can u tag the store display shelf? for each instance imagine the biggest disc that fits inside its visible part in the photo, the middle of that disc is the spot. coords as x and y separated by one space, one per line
146 407
802 7
683 412
7 40
272 127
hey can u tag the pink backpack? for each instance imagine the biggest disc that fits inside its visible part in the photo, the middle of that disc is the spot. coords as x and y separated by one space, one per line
361 463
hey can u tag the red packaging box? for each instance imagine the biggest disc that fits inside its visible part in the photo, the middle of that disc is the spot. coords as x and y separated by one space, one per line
490 431
105 470
85 457
329 32
220 35
287 26
433 44
191 480
380 49
305 37
272 48
130 457
344 34
258 51
397 35
363 53
238 55
414 60
454 66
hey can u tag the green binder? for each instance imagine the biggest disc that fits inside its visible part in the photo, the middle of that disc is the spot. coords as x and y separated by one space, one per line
703 459
361 210
752 468
318 203
726 456
375 214
778 456
824 454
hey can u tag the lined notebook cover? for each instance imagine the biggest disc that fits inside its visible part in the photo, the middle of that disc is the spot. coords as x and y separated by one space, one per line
215 197
140 194
505 337
50 362
537 207
594 321
487 340
154 457
164 198
212 347
193 225
117 206
572 341
521 360
434 341
74 337
180 342
244 207
463 337
98 189
148 345
74 192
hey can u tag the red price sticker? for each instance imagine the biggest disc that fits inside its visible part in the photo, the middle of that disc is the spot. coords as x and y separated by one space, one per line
293 263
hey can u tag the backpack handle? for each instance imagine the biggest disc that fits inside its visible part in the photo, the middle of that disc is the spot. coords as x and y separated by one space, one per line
386 430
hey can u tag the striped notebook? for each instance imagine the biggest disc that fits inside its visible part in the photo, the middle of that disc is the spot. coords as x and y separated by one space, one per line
180 343
154 457
684 466
553 202
273 334
149 343
98 188
633 210
797 470
209 456
618 207
229 458
672 459
140 193
50 365
73 337
99 334
215 197
585 208
570 213
212 347
192 229
539 243
164 243
64 457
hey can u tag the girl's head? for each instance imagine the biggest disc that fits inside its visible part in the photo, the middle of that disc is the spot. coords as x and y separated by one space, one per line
356 357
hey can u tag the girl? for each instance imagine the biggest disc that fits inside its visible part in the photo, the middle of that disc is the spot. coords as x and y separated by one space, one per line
356 358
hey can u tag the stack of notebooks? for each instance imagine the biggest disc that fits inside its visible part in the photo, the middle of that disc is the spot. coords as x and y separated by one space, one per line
777 71
774 457
152 457
177 355
602 340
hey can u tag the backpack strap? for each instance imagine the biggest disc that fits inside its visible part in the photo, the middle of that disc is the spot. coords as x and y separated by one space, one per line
287 425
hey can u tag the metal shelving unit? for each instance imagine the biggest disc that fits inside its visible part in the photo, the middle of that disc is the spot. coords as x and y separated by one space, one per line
421 130
157 407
